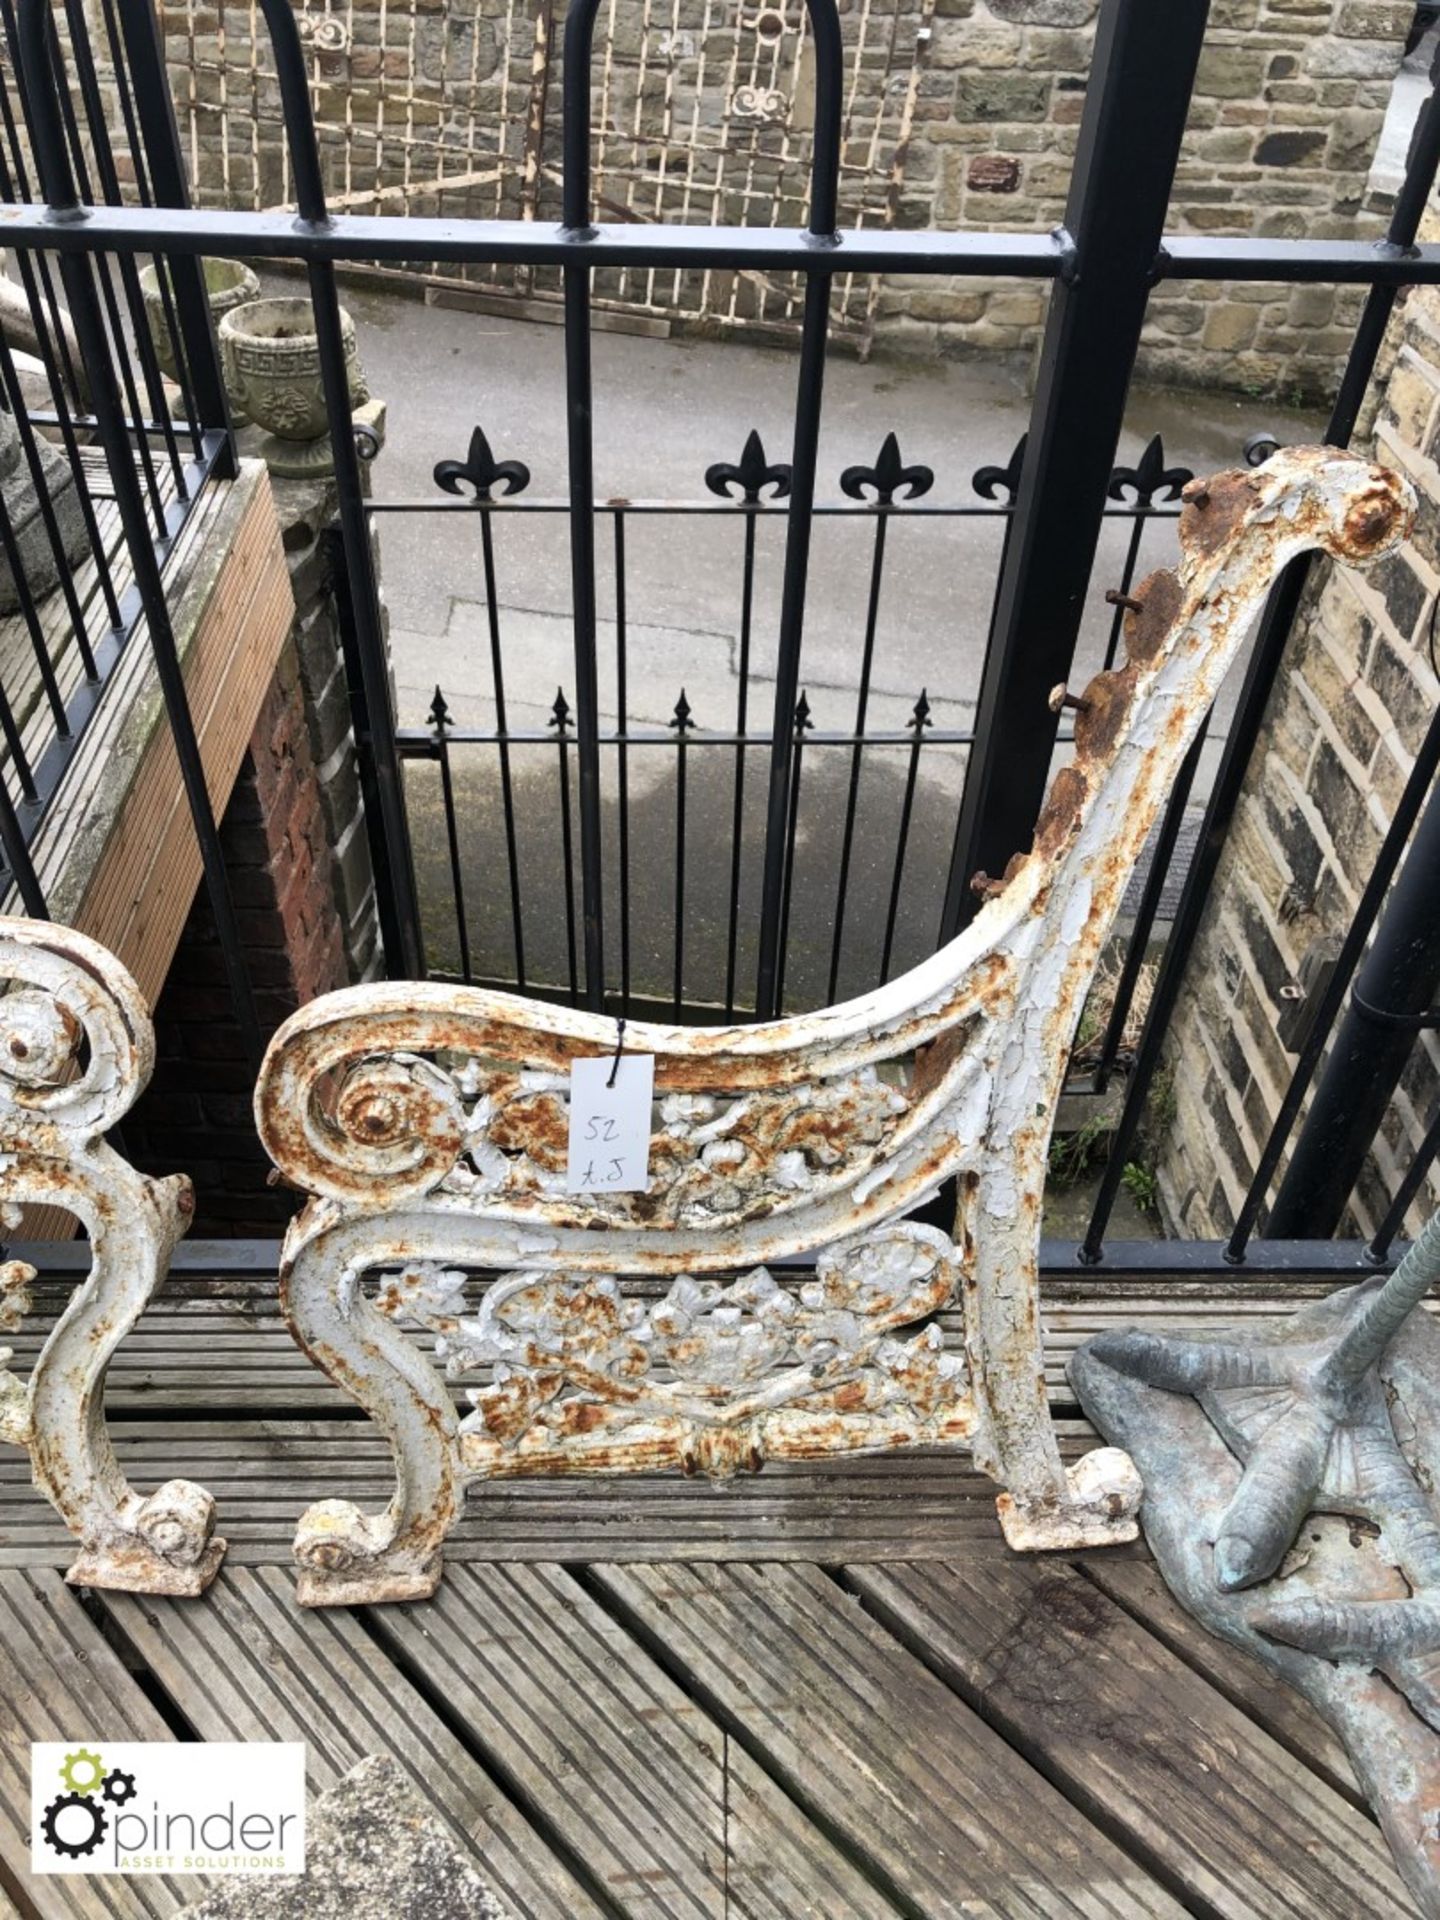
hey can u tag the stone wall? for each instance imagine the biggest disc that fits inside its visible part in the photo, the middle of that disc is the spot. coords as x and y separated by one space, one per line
1284 122
1347 717
705 115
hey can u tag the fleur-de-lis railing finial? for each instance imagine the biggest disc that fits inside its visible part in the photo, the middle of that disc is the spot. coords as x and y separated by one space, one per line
1149 479
991 482
752 474
683 719
481 471
888 475
560 712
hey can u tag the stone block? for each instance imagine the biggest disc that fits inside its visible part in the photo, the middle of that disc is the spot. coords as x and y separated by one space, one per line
997 97
1230 73
1045 13
1290 148
973 46
1229 328
1353 136
1375 20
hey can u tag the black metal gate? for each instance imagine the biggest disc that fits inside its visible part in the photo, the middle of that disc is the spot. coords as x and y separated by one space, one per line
1050 504
705 111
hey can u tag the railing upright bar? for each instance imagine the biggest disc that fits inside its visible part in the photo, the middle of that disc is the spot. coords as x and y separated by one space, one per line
857 752
1266 653
40 481
622 724
51 78
1416 1174
826 42
1162 853
502 730
164 165
1142 76
579 424
774 882
58 186
126 268
369 639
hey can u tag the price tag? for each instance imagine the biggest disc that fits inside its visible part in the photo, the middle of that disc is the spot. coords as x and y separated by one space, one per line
610 1124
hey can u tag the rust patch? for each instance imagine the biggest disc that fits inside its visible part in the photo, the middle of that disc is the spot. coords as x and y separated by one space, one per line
537 1125
1060 815
1161 597
1214 509
1107 702
1373 521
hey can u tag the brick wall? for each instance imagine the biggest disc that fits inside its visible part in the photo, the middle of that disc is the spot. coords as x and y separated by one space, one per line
1288 107
1344 724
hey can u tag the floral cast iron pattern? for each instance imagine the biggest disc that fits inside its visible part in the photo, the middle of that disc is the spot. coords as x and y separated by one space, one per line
712 1366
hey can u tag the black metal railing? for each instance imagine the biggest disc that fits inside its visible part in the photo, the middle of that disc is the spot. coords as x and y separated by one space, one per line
115 451
851 920
1100 266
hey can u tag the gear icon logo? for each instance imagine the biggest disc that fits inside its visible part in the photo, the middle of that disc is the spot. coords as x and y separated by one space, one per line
71 1841
119 1787
82 1771
77 1820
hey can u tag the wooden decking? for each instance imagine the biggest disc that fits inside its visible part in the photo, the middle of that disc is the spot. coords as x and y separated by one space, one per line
828 1694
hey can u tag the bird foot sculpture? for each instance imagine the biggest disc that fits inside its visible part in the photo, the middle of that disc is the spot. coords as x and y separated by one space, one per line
1246 1442
1303 1406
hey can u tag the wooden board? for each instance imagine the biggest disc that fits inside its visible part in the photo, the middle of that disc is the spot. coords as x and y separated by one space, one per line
59 1680
263 1473
674 1821
227 1347
944 1812
246 1664
1191 1785
1135 1584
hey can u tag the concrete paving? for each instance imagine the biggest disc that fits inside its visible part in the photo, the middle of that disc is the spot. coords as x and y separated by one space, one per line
664 410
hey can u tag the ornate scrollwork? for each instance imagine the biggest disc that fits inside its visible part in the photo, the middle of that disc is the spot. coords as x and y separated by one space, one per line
759 106
76 1049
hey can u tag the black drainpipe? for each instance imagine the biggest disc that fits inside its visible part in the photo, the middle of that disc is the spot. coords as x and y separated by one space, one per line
1392 1000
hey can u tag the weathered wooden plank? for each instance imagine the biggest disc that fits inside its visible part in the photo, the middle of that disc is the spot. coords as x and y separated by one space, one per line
1137 1586
1238 1824
673 1820
231 1349
247 1665
867 1740
263 1473
60 1681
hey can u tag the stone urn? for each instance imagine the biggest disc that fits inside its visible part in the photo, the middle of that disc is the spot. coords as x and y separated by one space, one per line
228 284
272 362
